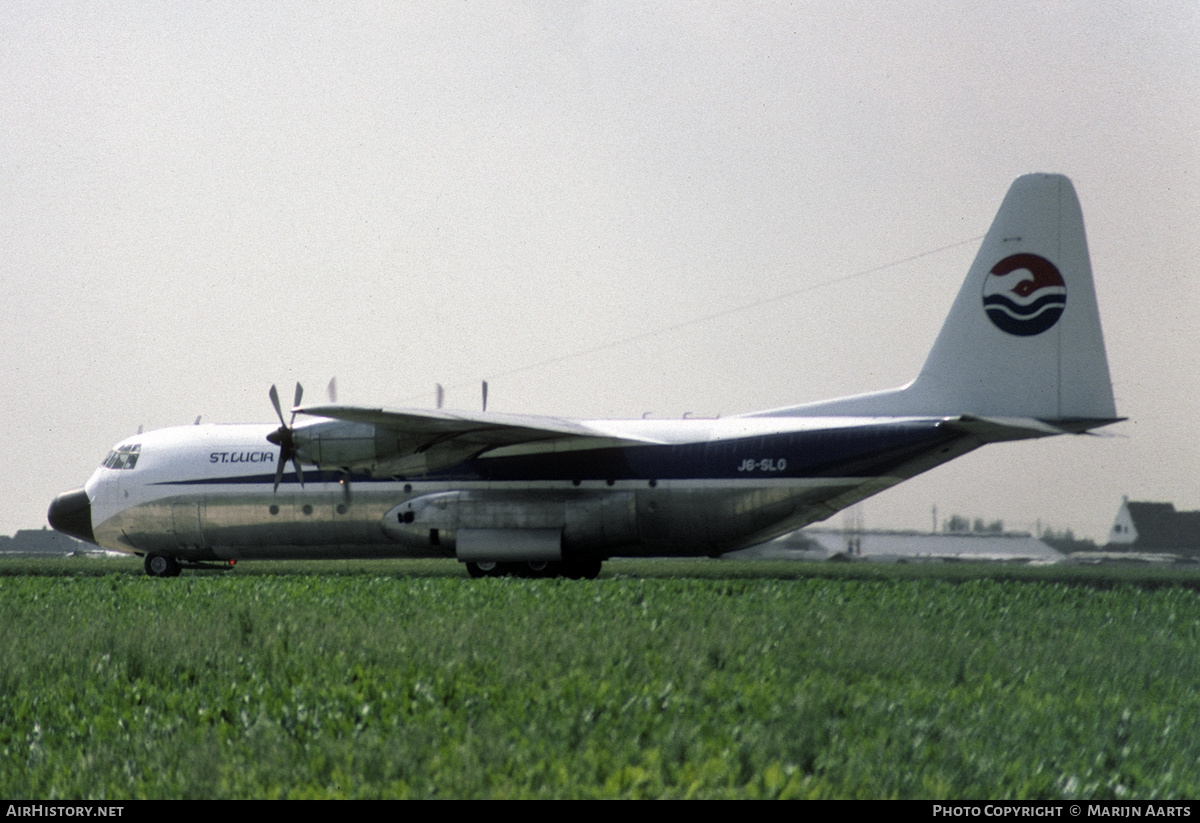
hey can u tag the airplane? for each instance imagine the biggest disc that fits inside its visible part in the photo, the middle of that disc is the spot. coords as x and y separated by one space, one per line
1020 355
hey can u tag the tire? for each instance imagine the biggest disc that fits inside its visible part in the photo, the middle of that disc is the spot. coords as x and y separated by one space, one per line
537 568
161 565
484 568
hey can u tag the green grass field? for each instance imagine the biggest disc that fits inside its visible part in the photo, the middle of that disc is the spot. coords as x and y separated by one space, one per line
660 679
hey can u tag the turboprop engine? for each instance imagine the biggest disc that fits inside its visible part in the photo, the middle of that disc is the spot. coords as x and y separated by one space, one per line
349 445
373 450
362 447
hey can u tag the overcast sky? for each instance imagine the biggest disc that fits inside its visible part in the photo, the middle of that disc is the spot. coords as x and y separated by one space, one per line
198 200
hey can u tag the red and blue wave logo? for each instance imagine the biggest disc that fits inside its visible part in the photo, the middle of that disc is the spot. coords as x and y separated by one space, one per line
1022 305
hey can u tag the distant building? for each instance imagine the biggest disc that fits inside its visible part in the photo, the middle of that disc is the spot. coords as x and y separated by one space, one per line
891 546
1155 527
42 541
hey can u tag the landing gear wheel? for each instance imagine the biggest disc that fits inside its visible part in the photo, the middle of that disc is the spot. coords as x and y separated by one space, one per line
160 565
484 568
535 568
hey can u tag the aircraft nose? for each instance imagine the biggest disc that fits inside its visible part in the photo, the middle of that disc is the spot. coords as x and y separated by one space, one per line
71 513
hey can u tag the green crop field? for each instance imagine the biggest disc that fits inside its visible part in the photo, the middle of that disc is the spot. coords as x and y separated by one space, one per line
668 679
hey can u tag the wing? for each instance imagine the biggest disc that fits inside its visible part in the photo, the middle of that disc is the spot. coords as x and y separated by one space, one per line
487 428
408 441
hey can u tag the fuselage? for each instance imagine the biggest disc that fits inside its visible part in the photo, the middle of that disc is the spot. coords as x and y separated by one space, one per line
702 487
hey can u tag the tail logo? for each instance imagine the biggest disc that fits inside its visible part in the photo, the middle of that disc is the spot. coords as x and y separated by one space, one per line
1024 307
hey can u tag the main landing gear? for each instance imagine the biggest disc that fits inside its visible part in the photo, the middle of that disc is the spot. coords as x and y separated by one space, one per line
163 565
160 565
574 569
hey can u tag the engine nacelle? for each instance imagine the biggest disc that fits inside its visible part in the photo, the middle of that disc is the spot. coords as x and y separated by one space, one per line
374 450
337 444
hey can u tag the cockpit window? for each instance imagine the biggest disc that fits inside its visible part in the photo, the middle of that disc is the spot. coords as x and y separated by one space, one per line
123 457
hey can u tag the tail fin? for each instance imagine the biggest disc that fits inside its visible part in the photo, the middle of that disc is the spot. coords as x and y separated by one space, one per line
1023 337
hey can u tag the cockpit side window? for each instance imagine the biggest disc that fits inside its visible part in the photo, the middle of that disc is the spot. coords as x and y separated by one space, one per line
123 457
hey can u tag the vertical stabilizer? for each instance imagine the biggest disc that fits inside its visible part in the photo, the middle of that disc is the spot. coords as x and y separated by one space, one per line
1023 337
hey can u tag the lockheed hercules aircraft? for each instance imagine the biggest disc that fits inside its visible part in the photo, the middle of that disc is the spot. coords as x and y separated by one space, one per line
1021 355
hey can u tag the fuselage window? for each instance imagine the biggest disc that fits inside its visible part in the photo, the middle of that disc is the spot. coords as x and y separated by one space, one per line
123 457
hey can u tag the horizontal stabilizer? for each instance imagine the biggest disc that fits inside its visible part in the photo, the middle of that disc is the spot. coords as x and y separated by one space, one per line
996 429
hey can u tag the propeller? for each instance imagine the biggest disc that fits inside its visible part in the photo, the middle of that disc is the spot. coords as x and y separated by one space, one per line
345 479
283 437
331 392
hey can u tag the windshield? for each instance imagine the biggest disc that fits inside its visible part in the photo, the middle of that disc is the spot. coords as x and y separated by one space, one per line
123 457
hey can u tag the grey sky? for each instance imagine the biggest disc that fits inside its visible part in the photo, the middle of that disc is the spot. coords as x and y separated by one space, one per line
200 199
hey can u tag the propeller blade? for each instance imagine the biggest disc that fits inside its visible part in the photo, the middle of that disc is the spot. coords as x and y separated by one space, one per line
441 394
283 438
331 389
485 395
296 402
275 402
